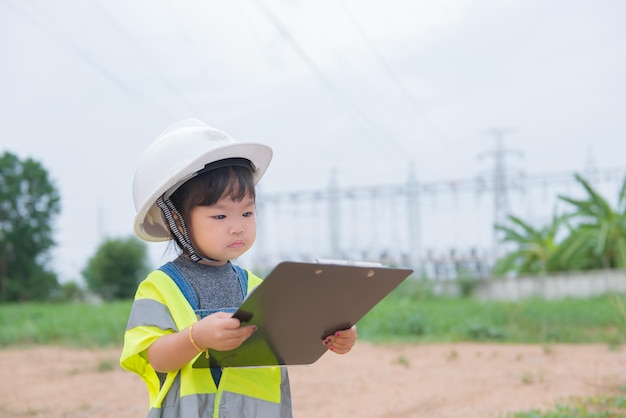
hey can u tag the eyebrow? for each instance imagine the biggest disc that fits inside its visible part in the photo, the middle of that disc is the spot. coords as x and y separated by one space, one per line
249 203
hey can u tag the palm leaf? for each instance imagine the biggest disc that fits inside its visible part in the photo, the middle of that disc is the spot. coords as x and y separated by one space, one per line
590 190
585 207
532 232
510 235
602 242
620 252
595 206
597 200
573 246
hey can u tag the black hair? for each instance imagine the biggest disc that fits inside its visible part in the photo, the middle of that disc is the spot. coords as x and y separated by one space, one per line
208 187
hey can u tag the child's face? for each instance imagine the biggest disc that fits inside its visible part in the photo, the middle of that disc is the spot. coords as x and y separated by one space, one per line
225 230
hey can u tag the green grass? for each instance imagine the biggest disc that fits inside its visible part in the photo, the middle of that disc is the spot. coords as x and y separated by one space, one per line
67 324
603 406
410 313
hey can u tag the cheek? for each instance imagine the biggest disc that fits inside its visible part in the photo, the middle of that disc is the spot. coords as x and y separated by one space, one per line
251 228
202 228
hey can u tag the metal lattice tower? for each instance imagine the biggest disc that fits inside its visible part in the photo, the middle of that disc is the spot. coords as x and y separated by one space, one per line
414 217
334 213
501 182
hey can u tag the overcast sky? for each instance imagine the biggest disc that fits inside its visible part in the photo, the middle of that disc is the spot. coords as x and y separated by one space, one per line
367 87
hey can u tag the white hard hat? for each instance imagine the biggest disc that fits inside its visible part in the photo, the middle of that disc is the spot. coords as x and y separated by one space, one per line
174 157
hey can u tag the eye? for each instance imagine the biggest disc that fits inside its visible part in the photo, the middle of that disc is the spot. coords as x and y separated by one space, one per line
220 216
248 214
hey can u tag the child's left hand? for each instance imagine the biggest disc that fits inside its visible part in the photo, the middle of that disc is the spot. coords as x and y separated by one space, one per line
342 341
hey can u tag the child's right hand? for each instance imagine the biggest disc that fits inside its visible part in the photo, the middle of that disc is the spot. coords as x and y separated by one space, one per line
221 332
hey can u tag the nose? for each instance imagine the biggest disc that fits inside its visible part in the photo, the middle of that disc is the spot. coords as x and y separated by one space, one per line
236 228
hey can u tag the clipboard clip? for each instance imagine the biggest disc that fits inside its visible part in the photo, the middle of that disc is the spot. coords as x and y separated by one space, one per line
347 262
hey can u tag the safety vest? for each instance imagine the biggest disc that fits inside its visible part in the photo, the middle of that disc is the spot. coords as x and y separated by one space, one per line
160 308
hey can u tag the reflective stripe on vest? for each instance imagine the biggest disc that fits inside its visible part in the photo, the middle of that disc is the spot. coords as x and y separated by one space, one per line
159 309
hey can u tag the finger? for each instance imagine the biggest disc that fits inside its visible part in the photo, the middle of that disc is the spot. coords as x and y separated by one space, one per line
349 333
338 346
231 324
239 333
234 338
248 330
339 349
343 339
223 315
334 339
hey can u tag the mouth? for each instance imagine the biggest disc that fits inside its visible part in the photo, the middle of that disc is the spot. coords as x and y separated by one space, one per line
236 244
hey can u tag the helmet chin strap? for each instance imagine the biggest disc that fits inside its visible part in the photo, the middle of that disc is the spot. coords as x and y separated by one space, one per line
169 210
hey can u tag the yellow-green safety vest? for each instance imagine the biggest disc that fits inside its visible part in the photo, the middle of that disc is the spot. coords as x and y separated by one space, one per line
160 308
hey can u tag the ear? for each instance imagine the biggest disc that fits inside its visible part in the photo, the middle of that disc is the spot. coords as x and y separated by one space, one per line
178 223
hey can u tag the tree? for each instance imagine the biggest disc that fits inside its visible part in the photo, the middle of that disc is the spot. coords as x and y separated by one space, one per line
29 202
116 268
597 236
535 246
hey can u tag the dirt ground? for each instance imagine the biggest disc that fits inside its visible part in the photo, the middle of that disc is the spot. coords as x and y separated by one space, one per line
372 381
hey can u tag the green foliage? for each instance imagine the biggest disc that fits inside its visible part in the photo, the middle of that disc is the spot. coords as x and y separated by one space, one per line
595 237
69 292
29 202
67 324
116 268
467 283
535 246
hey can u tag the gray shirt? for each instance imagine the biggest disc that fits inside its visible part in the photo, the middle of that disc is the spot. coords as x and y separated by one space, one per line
217 287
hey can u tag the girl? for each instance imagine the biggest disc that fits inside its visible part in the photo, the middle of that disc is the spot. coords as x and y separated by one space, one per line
196 185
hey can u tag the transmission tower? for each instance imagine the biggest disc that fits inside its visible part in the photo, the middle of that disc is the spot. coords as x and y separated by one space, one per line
413 215
334 214
501 183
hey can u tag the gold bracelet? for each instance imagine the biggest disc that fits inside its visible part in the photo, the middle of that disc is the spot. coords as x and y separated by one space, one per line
194 342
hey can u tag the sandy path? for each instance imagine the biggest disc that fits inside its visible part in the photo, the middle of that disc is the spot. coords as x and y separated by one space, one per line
449 380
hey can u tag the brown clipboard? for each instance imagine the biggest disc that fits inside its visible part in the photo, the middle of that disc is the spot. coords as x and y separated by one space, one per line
297 305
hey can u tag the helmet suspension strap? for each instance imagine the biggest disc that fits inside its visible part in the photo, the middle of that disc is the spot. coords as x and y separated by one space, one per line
168 208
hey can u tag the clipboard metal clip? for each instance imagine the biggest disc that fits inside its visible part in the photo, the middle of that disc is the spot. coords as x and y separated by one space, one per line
347 262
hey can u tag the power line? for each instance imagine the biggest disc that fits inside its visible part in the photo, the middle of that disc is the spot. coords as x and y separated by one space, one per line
388 69
392 74
328 83
141 54
183 26
155 112
340 201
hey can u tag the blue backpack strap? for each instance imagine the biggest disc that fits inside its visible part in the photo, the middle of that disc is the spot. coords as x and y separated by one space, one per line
175 274
243 279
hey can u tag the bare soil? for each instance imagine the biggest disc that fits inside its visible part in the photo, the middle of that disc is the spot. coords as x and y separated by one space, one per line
372 381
